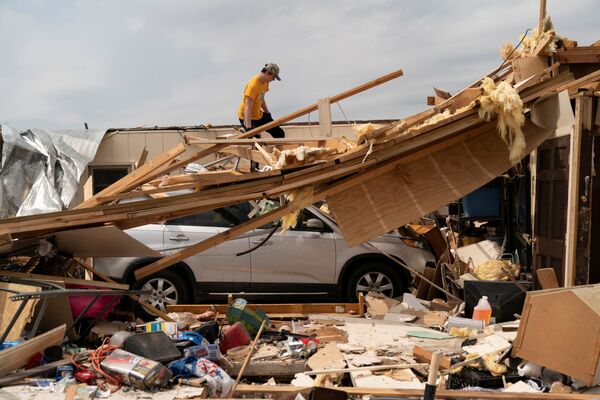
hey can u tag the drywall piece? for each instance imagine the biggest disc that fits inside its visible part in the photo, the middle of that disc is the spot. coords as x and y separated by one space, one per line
559 330
366 378
479 252
373 334
17 356
350 348
488 345
400 317
379 305
8 308
328 357
520 387
362 360
411 301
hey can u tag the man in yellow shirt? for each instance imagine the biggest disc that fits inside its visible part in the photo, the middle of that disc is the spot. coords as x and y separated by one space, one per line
253 111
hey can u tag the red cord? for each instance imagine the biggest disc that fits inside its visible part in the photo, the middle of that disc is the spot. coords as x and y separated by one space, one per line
95 357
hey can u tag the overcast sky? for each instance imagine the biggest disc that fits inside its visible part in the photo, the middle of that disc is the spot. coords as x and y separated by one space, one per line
121 63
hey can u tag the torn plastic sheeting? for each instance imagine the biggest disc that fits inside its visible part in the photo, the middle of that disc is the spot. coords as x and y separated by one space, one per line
41 169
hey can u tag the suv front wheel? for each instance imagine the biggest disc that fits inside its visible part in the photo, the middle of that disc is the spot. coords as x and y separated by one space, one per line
374 276
167 288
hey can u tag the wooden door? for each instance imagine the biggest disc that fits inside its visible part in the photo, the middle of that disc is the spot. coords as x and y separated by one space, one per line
551 205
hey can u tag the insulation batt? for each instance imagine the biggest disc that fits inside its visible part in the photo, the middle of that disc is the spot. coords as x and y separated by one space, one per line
504 101
363 130
302 153
492 270
299 197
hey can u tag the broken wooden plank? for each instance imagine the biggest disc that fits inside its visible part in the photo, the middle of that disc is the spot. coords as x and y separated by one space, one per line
303 308
17 356
280 389
423 355
265 141
546 278
578 55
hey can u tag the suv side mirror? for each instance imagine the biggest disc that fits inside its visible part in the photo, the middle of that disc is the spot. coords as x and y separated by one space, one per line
315 224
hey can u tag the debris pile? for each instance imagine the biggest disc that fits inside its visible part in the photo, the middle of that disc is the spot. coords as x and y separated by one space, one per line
469 323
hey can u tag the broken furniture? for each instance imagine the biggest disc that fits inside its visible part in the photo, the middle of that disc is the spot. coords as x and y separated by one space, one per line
560 329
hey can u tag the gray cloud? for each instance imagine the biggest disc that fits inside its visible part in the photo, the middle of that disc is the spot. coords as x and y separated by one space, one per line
148 62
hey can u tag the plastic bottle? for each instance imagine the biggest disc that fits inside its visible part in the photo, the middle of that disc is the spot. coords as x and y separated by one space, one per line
483 310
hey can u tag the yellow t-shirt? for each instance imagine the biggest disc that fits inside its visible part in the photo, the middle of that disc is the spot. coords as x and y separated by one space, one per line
256 90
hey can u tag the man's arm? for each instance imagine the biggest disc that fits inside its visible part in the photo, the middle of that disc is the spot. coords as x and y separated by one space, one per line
264 107
248 104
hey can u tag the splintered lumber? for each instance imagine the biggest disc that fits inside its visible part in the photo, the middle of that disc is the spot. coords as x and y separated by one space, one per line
267 141
578 55
158 169
416 393
17 356
305 308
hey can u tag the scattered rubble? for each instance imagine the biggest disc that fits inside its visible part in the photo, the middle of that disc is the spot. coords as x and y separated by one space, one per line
536 343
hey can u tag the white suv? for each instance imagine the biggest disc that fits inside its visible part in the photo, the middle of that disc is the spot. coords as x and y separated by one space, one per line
311 259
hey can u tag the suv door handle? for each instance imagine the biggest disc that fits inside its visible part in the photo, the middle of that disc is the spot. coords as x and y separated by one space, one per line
179 238
258 241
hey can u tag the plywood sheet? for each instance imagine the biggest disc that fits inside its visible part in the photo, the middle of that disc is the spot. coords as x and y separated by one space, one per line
8 308
388 201
104 241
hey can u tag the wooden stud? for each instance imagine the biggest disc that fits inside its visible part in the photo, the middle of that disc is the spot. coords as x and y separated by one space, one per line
583 115
324 105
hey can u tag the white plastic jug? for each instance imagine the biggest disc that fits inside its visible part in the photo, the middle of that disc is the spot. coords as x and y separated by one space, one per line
483 310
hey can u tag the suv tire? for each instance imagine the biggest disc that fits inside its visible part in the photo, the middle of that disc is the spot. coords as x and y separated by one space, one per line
167 288
374 276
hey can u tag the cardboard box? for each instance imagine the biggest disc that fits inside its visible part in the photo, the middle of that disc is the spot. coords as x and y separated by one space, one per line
560 329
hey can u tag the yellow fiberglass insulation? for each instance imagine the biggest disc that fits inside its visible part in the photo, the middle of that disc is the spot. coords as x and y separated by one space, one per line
492 270
303 154
489 361
504 101
297 200
364 129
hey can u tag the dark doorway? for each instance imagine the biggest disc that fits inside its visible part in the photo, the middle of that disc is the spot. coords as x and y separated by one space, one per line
551 205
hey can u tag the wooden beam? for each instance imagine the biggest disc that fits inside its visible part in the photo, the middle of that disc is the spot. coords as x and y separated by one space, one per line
324 105
573 193
417 393
266 141
542 16
17 356
304 308
142 159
